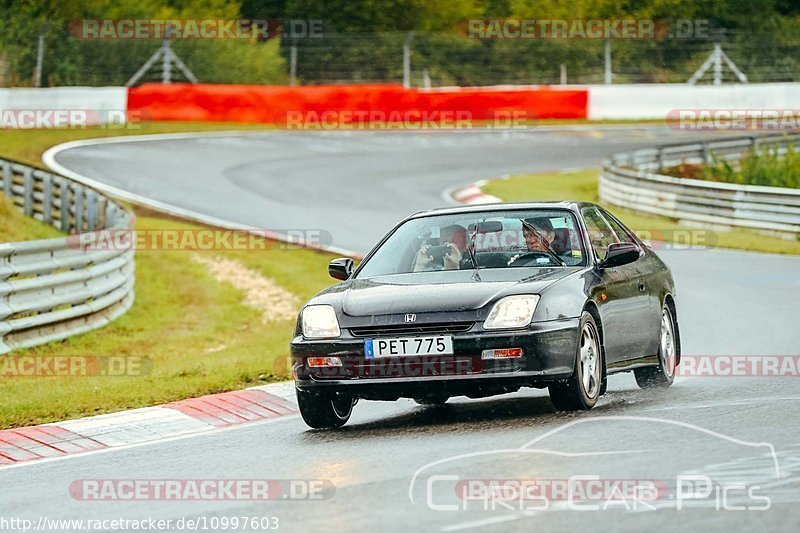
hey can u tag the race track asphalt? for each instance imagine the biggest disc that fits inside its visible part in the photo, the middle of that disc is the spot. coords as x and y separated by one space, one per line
736 430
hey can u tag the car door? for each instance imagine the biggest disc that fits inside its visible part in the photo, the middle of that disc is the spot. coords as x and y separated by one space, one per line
649 271
624 308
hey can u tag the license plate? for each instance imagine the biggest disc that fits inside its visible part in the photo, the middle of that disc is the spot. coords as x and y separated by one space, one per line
405 346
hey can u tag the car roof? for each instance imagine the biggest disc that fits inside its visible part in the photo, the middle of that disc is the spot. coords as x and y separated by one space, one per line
572 205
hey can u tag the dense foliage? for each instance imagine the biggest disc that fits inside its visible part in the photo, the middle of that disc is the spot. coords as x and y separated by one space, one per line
759 167
363 40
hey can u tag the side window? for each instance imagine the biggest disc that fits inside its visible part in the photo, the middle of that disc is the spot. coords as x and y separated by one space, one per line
622 234
600 233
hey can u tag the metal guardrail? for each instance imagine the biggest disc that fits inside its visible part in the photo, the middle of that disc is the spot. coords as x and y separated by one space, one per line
54 288
632 180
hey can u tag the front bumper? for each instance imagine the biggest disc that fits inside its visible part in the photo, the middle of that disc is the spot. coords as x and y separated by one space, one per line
549 350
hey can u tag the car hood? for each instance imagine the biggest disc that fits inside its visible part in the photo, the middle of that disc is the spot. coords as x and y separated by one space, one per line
423 292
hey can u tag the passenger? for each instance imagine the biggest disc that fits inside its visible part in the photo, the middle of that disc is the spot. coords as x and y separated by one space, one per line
455 239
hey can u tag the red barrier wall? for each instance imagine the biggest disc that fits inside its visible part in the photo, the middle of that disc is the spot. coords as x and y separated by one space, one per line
284 105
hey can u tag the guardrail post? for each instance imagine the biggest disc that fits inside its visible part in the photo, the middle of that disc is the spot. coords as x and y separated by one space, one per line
79 197
706 153
91 211
65 203
47 199
27 201
7 178
660 159
102 219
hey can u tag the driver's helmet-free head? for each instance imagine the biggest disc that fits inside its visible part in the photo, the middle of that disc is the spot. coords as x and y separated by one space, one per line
455 234
541 225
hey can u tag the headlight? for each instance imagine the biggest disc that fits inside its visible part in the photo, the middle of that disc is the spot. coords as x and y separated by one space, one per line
319 322
512 312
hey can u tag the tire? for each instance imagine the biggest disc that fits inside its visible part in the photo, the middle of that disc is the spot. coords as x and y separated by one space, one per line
432 400
324 410
663 375
581 391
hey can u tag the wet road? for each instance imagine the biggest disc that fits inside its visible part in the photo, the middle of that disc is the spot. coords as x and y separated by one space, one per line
396 466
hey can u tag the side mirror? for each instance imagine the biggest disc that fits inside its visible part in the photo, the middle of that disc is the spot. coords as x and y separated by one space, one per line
620 253
341 268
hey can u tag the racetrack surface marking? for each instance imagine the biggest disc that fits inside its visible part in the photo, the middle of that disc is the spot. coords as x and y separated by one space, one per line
148 425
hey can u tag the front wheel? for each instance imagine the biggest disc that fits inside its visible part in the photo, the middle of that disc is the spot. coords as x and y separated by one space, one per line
663 375
581 391
324 410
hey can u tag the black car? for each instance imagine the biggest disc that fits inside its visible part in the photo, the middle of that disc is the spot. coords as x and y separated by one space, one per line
483 300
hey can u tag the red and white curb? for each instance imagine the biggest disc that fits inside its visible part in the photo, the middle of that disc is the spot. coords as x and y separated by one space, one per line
148 424
471 194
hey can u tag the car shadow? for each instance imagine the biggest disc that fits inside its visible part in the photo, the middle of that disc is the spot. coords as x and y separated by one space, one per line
481 415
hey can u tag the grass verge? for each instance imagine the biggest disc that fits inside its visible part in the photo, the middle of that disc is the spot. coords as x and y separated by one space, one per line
197 332
27 146
582 185
14 226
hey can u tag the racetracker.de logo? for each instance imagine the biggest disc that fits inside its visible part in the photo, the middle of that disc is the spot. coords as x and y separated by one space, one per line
738 366
195 240
583 29
577 488
149 29
734 119
200 489
26 119
411 119
28 366
192 29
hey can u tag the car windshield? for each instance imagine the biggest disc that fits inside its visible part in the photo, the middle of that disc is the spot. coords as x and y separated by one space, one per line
525 238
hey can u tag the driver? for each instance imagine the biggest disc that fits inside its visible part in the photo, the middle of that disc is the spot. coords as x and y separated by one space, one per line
539 240
544 228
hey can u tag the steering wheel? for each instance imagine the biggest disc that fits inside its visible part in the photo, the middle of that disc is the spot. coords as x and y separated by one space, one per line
527 257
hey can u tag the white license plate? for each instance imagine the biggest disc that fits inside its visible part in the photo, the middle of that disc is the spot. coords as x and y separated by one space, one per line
405 346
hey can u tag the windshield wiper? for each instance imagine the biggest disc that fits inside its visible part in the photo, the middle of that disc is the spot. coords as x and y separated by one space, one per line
544 242
471 249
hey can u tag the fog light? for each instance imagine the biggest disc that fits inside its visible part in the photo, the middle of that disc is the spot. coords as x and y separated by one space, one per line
324 361
504 353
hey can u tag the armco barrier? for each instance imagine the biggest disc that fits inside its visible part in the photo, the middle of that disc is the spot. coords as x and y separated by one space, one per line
272 104
53 288
632 180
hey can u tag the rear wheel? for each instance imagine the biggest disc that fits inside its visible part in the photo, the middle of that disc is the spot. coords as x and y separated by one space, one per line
664 374
324 410
582 389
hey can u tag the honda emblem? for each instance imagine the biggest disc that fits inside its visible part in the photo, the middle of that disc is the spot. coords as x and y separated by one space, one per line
411 318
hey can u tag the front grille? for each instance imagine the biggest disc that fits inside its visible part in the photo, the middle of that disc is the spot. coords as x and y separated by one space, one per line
411 329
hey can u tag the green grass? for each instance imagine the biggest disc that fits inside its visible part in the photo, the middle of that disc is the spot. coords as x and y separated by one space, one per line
27 146
196 331
14 226
582 185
